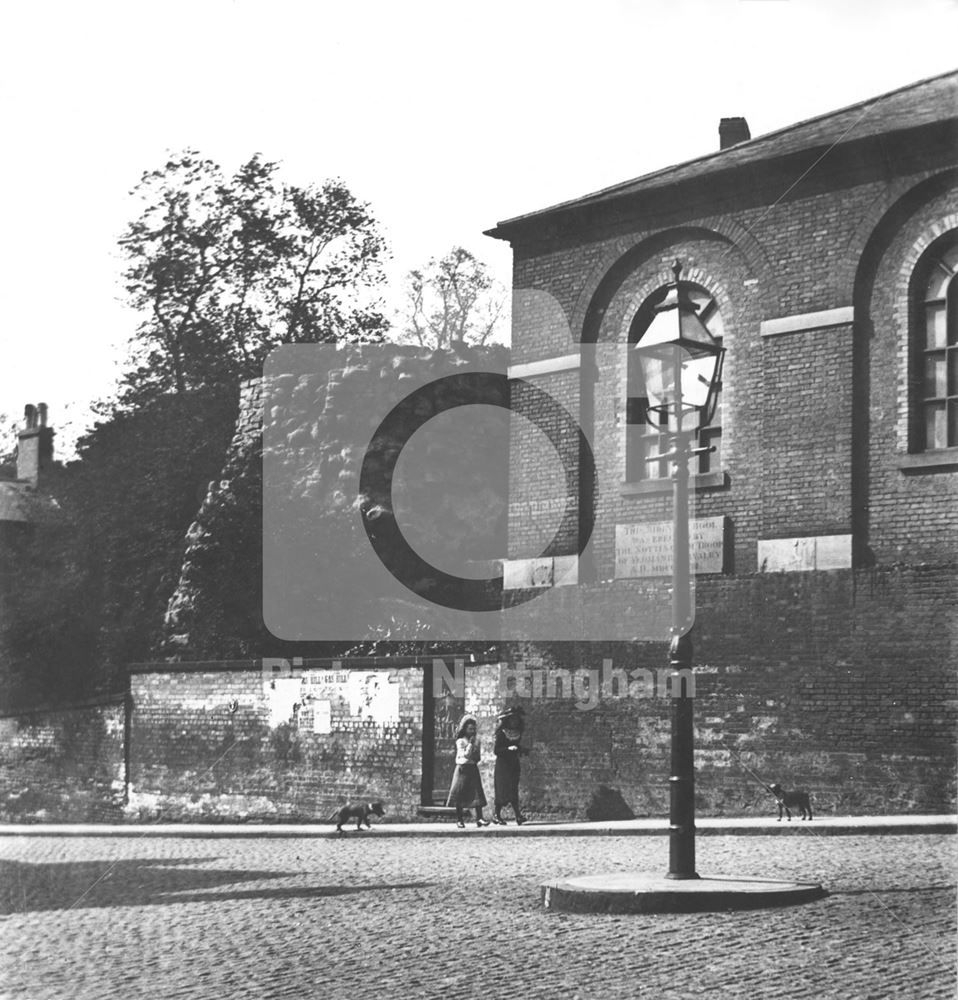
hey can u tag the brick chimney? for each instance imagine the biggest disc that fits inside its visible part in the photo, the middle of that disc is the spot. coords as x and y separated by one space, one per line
34 444
732 131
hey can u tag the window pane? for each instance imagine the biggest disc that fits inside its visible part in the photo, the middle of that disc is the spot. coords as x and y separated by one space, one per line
715 459
935 325
711 439
952 423
642 440
653 444
714 325
635 410
936 381
953 372
935 289
717 416
936 435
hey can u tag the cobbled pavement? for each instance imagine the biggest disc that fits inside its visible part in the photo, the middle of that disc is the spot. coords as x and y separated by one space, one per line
357 917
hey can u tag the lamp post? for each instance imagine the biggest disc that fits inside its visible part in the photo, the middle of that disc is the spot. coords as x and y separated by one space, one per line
680 363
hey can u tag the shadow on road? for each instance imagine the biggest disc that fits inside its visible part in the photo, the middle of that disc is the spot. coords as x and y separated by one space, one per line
26 887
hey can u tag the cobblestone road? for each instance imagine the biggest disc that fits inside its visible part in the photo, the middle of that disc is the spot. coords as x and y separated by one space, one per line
358 916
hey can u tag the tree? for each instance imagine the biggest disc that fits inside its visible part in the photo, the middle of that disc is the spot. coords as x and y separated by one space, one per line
224 269
88 587
453 300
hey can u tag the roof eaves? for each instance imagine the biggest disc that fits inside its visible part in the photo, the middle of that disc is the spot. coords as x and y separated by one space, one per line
648 181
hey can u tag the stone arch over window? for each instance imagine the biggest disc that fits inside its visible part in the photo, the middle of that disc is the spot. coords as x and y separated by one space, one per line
644 440
933 347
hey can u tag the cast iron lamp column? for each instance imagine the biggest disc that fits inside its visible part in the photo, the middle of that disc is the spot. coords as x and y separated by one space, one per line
682 771
680 363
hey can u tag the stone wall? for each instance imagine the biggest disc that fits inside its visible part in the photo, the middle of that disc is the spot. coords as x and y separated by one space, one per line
320 423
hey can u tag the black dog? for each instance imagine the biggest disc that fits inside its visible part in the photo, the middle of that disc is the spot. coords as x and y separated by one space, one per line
360 813
797 800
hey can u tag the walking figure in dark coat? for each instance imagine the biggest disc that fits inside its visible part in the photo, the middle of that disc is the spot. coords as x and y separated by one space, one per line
508 750
466 789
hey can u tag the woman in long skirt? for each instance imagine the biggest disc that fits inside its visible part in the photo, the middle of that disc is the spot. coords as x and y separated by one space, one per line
466 789
508 750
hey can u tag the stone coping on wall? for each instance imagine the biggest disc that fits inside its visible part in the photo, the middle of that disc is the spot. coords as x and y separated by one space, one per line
307 663
52 708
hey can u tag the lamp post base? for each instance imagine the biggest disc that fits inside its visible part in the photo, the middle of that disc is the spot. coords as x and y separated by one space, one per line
637 892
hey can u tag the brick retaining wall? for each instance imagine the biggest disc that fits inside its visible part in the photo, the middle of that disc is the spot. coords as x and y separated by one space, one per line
235 744
839 682
63 764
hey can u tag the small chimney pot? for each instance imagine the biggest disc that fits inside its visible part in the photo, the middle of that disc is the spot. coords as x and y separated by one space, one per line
732 131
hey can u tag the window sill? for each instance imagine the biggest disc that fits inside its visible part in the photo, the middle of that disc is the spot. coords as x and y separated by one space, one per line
928 461
703 481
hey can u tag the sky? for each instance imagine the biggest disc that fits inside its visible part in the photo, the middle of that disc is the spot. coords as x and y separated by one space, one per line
445 117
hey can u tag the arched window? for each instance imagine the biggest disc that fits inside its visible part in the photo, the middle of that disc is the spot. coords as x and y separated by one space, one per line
642 439
935 381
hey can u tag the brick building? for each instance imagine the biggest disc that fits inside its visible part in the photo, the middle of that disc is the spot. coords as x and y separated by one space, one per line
823 256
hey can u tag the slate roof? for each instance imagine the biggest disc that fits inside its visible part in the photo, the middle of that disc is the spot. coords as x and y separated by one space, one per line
927 102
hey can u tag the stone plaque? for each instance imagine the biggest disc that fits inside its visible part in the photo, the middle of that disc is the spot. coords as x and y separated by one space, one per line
786 555
833 552
646 549
522 574
801 555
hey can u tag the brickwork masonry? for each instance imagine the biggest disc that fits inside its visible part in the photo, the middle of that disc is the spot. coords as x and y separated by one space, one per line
63 765
838 682
238 745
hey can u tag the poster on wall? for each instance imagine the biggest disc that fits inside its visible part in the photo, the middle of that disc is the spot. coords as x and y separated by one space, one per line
354 696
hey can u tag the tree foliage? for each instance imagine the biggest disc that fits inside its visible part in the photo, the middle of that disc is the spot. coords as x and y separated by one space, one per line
453 300
90 585
223 269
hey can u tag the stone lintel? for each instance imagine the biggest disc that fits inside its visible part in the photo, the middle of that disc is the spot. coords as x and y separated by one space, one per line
547 366
842 316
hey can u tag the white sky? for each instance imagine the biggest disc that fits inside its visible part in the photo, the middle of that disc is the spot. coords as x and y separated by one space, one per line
447 117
